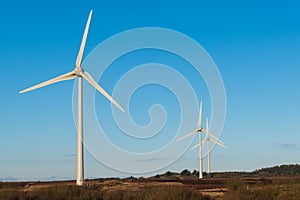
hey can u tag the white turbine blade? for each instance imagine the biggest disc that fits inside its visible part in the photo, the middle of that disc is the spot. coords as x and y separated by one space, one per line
218 143
90 79
185 136
81 50
221 145
207 124
200 116
64 77
215 138
197 145
206 130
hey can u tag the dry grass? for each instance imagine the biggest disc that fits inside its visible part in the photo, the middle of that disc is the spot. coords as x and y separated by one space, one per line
107 190
264 189
153 189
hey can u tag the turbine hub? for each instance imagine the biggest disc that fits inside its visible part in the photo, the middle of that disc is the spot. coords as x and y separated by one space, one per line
78 71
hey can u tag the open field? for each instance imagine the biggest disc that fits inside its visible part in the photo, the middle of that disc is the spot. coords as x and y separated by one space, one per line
173 187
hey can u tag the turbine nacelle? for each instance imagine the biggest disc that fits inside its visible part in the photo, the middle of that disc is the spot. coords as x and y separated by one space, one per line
78 71
199 130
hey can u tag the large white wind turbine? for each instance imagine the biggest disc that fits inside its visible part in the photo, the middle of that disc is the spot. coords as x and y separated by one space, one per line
80 73
200 130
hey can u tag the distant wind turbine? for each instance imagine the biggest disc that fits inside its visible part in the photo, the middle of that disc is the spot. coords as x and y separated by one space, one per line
200 130
80 73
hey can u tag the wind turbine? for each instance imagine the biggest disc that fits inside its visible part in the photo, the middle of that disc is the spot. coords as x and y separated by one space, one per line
200 130
81 74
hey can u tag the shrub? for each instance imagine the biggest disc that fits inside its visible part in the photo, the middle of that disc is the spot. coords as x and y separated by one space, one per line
185 172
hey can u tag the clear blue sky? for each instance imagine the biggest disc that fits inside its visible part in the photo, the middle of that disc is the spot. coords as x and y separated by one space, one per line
255 45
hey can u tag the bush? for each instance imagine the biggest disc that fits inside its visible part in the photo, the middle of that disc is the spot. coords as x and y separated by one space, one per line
195 173
168 173
185 173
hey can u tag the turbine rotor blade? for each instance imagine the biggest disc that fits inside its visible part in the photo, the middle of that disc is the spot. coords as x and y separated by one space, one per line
206 130
64 77
215 138
197 145
194 147
187 135
207 124
218 143
81 50
200 116
90 79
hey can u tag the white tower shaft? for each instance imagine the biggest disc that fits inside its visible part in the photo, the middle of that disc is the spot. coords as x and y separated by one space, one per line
79 174
200 156
208 157
208 148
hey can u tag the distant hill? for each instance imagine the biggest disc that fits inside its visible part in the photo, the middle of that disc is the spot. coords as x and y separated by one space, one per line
282 170
8 179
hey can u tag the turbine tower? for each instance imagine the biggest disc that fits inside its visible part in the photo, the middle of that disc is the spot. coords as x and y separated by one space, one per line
210 138
81 74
